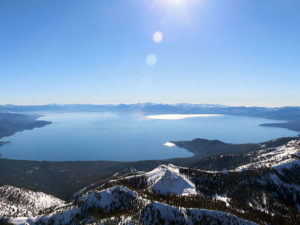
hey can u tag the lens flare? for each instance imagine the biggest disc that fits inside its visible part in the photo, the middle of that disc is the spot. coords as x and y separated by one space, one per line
151 60
157 37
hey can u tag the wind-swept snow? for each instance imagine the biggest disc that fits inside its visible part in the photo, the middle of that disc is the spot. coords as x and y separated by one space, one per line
167 179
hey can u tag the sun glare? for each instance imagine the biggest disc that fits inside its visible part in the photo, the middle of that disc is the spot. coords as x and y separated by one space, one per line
178 8
177 2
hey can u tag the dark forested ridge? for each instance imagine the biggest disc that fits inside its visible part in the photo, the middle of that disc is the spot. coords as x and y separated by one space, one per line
203 148
293 124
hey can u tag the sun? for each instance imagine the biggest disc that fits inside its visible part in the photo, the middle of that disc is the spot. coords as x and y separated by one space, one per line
177 2
175 5
172 3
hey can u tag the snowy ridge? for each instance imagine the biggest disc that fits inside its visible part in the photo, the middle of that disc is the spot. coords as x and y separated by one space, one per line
118 199
159 213
113 199
167 179
18 202
271 157
105 197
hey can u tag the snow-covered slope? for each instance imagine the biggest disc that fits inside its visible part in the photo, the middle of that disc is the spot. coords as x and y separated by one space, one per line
103 207
166 179
274 157
85 208
18 202
158 213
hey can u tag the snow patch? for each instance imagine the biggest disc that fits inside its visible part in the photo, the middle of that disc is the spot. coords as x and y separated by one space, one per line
222 198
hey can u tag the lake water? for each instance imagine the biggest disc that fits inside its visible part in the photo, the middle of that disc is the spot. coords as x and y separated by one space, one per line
129 137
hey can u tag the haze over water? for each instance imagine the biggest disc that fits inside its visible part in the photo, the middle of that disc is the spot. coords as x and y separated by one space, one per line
129 137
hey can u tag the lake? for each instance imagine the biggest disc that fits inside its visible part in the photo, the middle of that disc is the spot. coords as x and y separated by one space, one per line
130 137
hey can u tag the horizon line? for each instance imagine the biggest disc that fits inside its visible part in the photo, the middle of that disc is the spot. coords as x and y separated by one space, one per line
145 103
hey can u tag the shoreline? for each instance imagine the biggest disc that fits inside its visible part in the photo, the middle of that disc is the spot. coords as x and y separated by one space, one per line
4 143
290 125
47 176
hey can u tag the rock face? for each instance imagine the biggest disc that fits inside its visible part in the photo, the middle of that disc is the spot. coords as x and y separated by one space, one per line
262 188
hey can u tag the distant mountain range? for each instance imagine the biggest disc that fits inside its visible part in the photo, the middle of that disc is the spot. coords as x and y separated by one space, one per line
289 114
153 107
261 186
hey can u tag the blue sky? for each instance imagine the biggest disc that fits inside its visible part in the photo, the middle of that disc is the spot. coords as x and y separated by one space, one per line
234 52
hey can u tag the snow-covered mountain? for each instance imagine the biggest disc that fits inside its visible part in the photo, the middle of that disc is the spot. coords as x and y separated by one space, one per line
167 179
18 202
262 188
120 205
276 157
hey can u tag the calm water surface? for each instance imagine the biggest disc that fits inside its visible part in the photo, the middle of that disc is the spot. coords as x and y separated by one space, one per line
128 137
